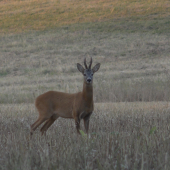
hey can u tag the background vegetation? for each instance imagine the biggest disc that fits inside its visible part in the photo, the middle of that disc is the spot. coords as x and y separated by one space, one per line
40 44
24 15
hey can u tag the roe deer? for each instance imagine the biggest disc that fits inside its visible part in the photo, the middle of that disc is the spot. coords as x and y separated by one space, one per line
53 104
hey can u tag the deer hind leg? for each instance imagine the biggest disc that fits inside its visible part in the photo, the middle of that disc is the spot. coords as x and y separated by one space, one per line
48 123
36 124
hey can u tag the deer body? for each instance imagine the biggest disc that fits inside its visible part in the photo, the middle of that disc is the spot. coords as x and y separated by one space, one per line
53 104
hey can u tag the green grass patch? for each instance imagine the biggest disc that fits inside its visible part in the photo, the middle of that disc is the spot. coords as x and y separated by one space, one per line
4 72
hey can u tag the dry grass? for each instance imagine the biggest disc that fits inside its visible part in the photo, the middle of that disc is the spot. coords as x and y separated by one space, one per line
134 66
22 15
129 128
122 136
129 135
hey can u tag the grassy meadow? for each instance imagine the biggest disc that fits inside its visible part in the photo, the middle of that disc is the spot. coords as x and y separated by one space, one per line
40 44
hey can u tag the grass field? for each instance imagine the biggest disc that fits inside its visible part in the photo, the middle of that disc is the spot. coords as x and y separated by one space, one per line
40 44
122 136
23 15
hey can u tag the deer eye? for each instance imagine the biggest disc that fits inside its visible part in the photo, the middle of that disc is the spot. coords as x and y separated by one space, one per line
84 74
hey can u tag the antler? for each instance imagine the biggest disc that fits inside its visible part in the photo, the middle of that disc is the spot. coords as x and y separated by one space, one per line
85 63
90 63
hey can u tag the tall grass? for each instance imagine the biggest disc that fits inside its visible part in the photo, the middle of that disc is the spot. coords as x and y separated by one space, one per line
122 136
128 129
146 89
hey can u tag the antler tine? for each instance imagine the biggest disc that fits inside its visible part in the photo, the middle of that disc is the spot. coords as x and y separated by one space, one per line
85 63
90 63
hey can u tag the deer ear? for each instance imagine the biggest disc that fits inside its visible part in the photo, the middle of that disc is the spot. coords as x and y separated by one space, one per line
96 68
80 68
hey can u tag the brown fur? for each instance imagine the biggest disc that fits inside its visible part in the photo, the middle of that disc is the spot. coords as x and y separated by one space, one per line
52 105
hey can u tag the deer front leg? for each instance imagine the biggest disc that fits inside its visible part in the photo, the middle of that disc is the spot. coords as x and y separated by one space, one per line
77 123
86 122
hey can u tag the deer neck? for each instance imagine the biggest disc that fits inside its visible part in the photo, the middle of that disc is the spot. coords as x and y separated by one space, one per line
88 92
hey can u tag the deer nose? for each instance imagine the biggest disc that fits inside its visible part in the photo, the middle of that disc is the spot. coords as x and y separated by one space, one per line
89 80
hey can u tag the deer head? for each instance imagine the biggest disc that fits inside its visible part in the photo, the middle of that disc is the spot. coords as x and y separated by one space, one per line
87 71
